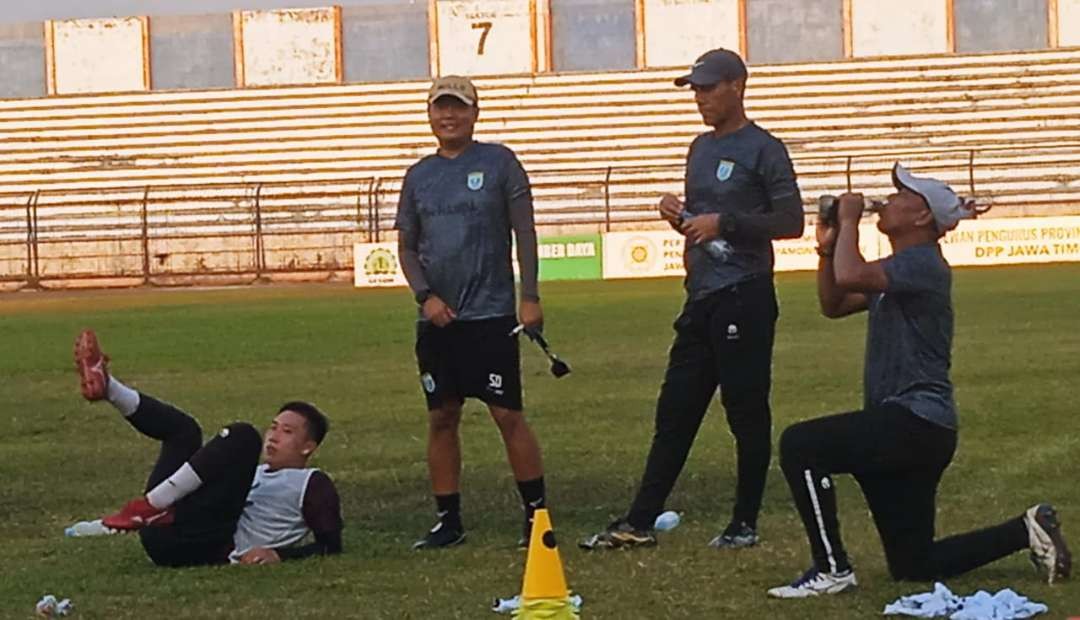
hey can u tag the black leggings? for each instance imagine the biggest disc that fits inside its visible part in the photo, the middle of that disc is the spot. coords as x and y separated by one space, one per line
724 340
202 532
898 459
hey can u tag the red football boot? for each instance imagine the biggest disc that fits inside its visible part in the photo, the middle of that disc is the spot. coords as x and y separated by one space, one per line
92 365
137 514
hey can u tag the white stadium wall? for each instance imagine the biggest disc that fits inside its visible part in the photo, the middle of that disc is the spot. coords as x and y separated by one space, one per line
676 32
1068 23
485 37
899 28
501 37
299 46
97 55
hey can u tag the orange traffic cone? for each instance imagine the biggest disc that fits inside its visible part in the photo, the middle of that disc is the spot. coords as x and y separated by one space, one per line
544 595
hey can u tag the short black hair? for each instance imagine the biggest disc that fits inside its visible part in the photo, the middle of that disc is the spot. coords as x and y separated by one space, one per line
317 424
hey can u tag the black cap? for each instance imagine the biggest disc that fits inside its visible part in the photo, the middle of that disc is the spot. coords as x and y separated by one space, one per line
718 65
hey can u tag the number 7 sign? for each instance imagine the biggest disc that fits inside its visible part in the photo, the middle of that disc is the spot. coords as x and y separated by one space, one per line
482 37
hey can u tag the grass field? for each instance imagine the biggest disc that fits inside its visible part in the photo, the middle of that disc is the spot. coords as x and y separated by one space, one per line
238 353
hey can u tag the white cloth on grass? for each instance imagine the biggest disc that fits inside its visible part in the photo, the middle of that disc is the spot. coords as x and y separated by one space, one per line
510 605
1005 605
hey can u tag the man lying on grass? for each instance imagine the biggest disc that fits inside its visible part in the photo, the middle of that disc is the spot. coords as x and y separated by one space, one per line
214 503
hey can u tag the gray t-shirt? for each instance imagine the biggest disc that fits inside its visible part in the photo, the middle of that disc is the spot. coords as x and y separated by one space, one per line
747 177
909 336
459 214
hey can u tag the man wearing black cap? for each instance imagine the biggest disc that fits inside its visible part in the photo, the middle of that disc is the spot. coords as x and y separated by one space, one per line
740 195
898 446
455 216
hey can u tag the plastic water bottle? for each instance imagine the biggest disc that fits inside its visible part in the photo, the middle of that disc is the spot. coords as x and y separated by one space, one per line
667 521
719 249
88 528
49 607
828 206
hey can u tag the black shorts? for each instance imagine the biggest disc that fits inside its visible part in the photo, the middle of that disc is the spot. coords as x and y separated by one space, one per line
479 359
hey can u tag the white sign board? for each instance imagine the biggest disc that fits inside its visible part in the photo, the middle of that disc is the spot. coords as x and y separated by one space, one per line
1008 241
1068 24
643 254
801 254
99 55
377 265
678 31
483 37
898 28
659 253
290 46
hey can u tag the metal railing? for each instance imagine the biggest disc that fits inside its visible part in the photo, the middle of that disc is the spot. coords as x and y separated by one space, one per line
246 232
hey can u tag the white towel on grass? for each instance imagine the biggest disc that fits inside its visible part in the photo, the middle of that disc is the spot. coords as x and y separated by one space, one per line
1005 605
510 605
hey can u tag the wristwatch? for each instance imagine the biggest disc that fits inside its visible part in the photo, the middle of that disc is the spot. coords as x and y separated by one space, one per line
422 296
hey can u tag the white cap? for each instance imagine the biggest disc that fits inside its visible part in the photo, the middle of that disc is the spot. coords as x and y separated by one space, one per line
947 207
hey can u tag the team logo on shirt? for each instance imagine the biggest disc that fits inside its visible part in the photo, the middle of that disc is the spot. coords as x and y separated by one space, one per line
476 180
732 332
724 170
428 382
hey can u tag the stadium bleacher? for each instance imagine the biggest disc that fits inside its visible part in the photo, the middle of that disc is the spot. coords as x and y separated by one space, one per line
313 169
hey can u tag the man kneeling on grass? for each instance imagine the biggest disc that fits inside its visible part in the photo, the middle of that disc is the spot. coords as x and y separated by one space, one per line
902 441
214 503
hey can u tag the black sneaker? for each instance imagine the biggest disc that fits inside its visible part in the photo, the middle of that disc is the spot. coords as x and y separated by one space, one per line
619 535
737 535
442 534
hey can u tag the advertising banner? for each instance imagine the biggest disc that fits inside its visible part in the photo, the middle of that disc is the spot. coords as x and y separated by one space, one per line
571 257
377 265
658 253
801 254
643 254
1008 241
567 257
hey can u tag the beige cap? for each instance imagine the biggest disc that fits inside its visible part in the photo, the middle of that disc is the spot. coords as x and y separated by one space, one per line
454 86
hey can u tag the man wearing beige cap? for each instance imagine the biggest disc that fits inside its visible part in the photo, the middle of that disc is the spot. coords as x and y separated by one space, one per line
899 445
455 215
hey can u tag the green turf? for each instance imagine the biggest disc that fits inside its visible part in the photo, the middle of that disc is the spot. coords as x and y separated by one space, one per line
238 353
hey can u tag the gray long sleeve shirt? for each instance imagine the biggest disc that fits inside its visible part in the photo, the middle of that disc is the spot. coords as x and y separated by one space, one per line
747 177
454 220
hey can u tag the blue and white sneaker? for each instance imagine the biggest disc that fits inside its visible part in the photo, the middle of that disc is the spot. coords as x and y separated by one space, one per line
1048 549
815 583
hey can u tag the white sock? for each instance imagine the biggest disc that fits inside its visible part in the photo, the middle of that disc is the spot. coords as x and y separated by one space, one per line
125 399
175 487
